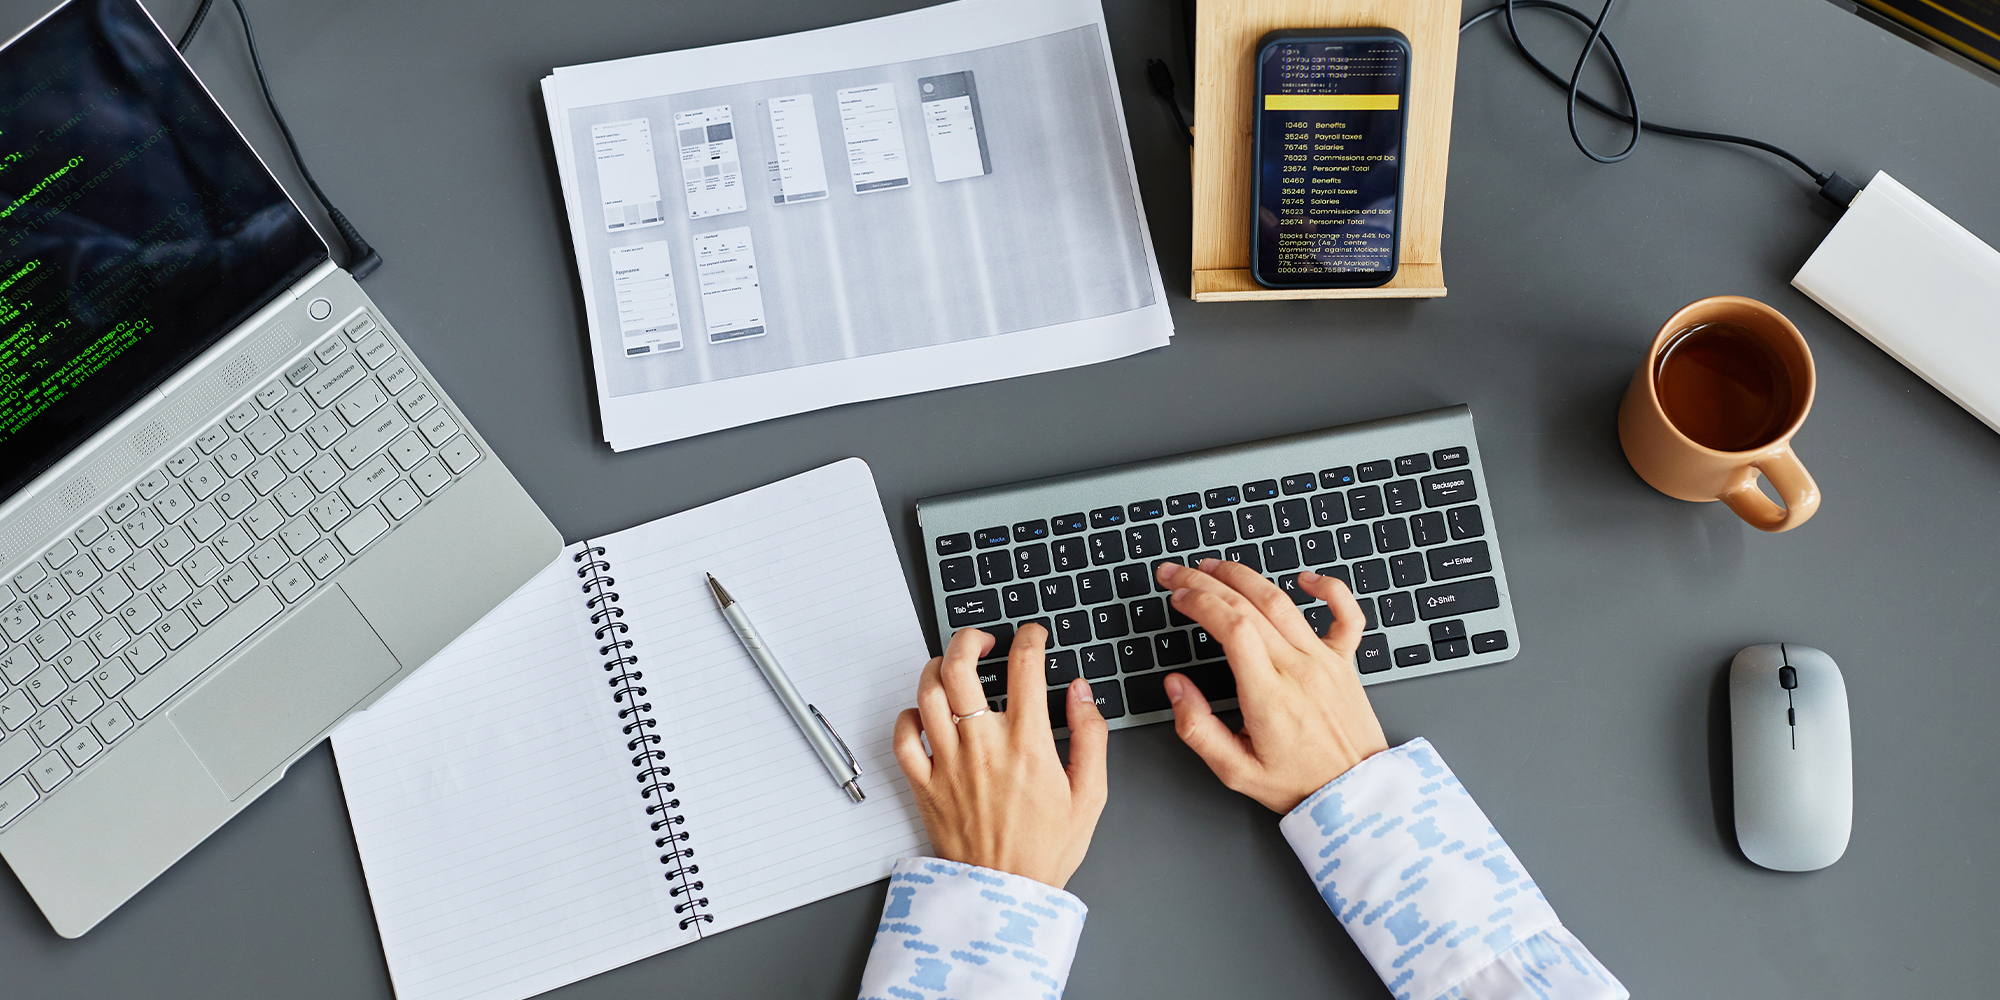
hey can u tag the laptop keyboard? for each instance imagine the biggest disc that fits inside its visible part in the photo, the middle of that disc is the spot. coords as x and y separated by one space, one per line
254 516
1394 509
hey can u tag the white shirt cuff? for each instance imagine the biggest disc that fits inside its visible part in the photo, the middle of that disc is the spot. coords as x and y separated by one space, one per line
971 933
1425 885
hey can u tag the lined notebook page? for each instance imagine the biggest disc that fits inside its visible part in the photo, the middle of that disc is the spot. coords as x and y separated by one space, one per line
493 803
811 560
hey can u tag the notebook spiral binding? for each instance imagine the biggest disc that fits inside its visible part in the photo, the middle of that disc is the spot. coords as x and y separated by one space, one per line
634 717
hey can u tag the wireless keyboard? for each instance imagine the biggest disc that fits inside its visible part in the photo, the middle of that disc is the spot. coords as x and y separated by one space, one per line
1397 508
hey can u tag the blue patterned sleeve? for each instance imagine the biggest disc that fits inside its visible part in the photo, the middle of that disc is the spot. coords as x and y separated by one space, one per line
1433 896
971 933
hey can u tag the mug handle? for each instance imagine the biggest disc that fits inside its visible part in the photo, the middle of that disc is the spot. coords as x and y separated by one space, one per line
1794 484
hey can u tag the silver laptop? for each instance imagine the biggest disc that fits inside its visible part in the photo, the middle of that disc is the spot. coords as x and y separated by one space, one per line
234 507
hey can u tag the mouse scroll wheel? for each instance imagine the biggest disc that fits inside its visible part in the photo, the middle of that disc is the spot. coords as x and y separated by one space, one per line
1788 678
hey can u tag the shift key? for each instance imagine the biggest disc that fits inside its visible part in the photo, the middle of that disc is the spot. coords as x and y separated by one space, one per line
369 480
204 651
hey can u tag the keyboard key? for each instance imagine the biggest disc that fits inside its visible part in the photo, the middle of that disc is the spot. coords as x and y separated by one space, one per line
430 477
1365 502
1223 496
1185 503
374 349
1109 698
1440 631
1131 580
49 770
1143 541
145 653
1071 554
371 434
121 507
324 471
1465 522
397 376
1217 529
1107 621
1153 570
1489 642
1263 489
976 608
1254 522
1469 559
1370 575
327 385
294 496
1280 554
1368 622
48 597
417 401
987 538
1135 655
1149 615
204 521
1003 643
1402 496
323 559
1392 535
1410 465
1304 482
143 568
1031 561
1146 510
1372 656
1320 618
1068 524
1451 649
299 535
107 637
1289 583
48 639
1396 608
1098 661
1428 528
233 542
1172 648
1378 469
205 606
1292 515
15 711
1205 646
79 575
293 582
373 478
1031 531
364 527
76 662
1181 534
111 722
1060 667
1146 693
1018 601
1329 508
1214 680
1106 547
1410 656
137 614
1336 478
80 702
1094 587
170 589
1407 570
1107 517
49 726
459 453
1245 554
996 567
1354 540
16 752
1072 628
1057 593
1449 488
1451 458
359 325
16 664
1461 598
92 528
400 499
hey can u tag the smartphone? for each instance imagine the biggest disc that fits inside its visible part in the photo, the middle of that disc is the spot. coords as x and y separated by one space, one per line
1331 108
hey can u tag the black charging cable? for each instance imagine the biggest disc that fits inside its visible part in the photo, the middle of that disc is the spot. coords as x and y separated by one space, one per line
362 260
1162 79
1832 186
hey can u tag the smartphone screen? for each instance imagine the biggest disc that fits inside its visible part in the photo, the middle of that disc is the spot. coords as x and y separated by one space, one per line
1329 133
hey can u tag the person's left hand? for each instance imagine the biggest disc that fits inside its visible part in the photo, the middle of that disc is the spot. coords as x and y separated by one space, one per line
991 790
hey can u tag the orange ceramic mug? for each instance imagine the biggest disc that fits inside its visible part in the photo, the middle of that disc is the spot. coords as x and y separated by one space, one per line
1725 385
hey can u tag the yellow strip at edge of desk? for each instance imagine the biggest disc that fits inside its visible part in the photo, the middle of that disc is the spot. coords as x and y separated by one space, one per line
1332 102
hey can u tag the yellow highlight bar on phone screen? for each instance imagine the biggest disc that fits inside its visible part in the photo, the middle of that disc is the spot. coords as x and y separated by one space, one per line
1332 102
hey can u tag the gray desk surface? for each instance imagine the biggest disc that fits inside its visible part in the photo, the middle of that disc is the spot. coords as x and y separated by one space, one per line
1591 751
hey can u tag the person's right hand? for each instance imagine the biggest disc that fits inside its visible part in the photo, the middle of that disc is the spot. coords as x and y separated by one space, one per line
1305 717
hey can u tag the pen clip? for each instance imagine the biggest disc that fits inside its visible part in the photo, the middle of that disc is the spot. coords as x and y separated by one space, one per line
835 733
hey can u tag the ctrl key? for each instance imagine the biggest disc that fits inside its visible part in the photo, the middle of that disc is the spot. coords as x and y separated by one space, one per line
15 798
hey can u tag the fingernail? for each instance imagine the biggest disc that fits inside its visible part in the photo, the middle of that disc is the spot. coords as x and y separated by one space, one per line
1178 594
1208 565
1308 576
1174 690
1167 571
1079 690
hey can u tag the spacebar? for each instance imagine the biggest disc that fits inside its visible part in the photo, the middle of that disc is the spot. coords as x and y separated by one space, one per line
204 651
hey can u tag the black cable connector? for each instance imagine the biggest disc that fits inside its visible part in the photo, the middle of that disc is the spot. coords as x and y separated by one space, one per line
1162 79
362 260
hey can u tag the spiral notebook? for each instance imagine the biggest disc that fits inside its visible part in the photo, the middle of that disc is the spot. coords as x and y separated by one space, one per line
596 772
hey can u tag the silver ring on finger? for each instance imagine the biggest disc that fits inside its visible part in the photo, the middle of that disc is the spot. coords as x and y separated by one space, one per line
957 718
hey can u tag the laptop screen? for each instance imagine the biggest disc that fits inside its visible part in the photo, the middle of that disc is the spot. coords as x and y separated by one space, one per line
137 227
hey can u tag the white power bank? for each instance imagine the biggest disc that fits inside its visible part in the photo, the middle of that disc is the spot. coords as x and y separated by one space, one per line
1918 285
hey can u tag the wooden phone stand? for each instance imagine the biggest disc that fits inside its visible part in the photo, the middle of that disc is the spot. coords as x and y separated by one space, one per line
1226 34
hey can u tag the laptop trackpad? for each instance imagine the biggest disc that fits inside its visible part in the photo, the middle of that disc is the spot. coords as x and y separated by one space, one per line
287 690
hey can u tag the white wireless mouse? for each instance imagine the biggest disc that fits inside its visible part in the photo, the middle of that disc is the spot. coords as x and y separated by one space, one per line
1794 764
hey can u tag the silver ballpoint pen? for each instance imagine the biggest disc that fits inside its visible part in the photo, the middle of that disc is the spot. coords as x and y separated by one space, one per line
820 733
